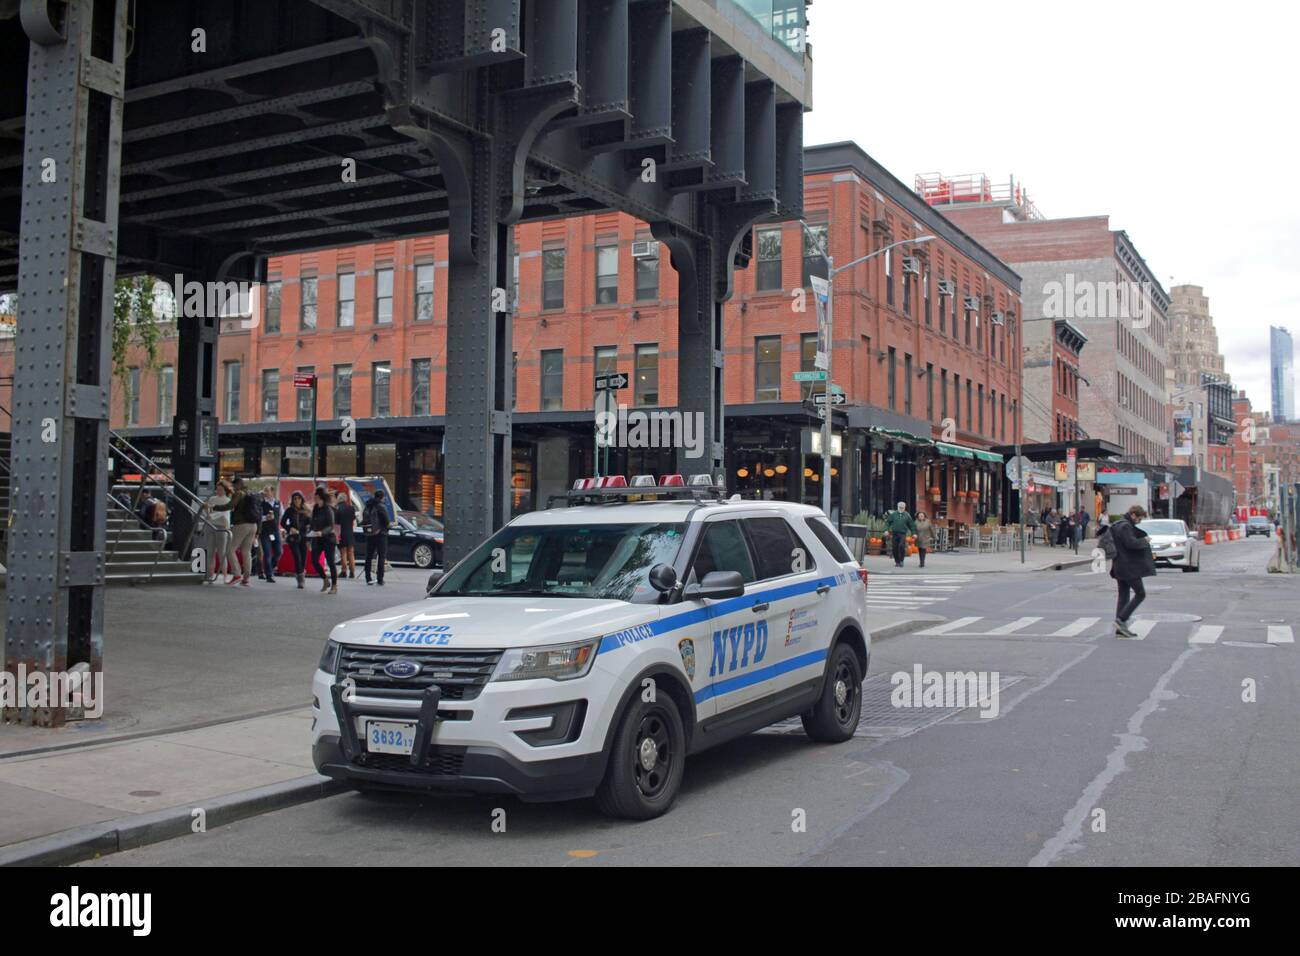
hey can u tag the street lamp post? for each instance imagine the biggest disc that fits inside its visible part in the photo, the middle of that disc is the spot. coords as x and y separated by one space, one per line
831 273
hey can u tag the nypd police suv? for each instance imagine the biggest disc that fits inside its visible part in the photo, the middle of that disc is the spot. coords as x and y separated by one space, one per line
590 649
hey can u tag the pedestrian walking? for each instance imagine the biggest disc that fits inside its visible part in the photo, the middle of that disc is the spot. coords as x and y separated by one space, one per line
924 535
1065 530
899 524
269 533
245 518
323 540
347 519
1031 523
296 522
1051 521
220 551
1133 562
374 522
1080 527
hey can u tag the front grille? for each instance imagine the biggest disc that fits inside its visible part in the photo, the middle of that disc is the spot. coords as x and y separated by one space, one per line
459 674
440 761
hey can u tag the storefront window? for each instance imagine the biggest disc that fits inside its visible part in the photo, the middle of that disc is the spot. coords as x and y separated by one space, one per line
424 481
271 457
381 460
521 480
341 460
231 462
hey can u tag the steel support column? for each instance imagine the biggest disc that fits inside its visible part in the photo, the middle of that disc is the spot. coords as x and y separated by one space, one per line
67 268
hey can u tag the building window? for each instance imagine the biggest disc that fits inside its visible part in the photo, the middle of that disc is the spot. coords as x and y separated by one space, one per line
133 403
384 296
981 409
956 399
893 378
166 389
424 291
965 308
907 295
552 379
808 363
646 384
969 402
606 359
769 260
646 268
420 369
232 392
514 376
767 369
342 391
305 394
943 393
270 395
347 299
273 307
552 278
381 379
929 392
943 311
307 307
606 275
925 287
814 241
889 276
907 383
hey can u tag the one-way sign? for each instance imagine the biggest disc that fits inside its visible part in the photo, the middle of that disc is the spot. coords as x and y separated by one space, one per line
612 381
837 398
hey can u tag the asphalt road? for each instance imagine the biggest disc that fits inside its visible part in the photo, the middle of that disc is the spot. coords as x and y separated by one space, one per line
1102 751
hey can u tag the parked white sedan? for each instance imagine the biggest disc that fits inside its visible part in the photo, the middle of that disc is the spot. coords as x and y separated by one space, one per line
1172 544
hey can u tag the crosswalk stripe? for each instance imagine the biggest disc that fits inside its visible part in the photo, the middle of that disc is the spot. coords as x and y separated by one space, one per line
949 626
1141 629
1206 634
1075 627
1015 625
1280 634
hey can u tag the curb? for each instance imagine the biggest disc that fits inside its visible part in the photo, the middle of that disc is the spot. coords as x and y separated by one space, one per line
1060 565
904 627
128 833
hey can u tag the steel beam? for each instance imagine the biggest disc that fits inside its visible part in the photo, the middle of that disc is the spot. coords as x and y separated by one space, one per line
68 248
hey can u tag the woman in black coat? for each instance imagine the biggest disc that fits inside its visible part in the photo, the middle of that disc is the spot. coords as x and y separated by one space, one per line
323 538
1133 562
296 522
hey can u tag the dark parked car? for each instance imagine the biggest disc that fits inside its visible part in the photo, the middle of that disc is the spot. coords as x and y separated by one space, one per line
1259 524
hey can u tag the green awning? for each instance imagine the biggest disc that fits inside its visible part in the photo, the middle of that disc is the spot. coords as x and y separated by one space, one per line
987 456
954 451
899 434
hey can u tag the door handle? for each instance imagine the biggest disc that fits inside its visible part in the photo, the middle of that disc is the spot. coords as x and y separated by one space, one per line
823 589
760 608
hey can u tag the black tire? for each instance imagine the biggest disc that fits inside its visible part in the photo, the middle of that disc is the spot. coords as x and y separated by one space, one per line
422 555
647 733
834 717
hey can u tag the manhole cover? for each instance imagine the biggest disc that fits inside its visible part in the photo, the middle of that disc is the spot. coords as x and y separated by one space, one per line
1169 617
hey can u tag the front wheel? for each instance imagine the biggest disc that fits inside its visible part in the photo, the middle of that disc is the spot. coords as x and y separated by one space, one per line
647 760
834 717
422 556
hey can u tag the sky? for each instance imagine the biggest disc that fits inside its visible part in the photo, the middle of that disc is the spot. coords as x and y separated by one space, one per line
1177 120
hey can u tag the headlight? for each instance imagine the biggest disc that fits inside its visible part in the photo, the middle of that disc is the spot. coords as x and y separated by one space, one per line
329 660
556 661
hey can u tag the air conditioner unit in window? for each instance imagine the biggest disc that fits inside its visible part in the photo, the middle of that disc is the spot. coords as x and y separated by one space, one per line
996 318
947 287
643 249
911 266
972 303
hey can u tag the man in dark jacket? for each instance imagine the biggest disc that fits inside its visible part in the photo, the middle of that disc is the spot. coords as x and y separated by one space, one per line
900 525
1133 562
269 533
374 522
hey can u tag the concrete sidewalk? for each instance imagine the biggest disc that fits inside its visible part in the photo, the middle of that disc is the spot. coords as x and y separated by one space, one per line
963 561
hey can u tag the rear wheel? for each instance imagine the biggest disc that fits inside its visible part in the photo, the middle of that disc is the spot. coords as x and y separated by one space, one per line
422 556
647 760
835 716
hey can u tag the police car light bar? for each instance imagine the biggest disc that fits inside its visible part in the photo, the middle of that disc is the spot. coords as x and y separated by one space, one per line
617 487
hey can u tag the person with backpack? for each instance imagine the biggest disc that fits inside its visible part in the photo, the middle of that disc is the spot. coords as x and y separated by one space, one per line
322 537
374 523
296 522
1133 562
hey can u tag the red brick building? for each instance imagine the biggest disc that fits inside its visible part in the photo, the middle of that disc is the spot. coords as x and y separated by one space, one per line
925 347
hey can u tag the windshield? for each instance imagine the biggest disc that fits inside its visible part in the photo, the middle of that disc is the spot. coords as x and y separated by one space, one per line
1163 527
422 521
610 561
1259 519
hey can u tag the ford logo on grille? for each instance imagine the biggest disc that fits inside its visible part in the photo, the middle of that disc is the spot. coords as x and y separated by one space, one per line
401 668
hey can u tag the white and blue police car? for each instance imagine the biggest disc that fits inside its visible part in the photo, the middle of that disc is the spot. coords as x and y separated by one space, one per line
590 649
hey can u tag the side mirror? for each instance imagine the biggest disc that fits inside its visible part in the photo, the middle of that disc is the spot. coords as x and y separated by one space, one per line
1193 534
434 578
716 585
663 577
